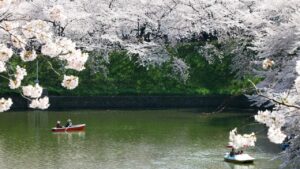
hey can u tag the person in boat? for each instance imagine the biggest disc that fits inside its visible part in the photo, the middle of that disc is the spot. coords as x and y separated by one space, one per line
287 141
69 123
58 125
232 153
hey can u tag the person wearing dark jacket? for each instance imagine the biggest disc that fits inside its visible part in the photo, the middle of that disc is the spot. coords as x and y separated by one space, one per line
58 125
232 153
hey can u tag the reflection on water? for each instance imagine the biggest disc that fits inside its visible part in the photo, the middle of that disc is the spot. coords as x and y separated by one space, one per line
126 139
68 136
241 166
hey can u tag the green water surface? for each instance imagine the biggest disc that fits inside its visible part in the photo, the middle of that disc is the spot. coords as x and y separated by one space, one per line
137 139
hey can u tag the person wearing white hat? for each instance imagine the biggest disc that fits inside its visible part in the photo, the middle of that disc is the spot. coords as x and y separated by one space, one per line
69 123
58 125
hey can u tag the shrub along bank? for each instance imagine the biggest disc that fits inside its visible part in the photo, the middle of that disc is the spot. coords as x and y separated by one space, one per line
123 75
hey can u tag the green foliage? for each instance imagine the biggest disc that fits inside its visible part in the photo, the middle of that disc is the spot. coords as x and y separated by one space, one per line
126 77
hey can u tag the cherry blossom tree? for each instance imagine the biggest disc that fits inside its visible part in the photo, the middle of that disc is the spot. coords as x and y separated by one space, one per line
267 30
238 141
276 43
29 31
262 35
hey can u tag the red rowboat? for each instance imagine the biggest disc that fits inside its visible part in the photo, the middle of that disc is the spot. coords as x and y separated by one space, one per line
78 127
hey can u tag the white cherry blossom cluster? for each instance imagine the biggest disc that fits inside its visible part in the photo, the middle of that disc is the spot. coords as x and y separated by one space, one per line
56 13
64 49
32 91
5 104
274 121
38 29
5 54
267 63
27 39
76 60
241 141
27 56
41 103
70 82
18 77
51 49
275 135
35 93
4 3
271 119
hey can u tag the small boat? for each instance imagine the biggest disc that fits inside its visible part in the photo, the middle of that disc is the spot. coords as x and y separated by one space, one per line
78 127
239 158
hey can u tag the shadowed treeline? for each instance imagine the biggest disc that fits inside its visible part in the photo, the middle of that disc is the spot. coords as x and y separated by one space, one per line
122 74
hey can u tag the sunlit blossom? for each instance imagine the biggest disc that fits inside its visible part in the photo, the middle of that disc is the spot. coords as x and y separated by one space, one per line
28 30
267 63
275 135
37 29
5 104
5 53
271 119
70 82
44 37
56 13
77 61
66 46
239 141
51 49
14 84
41 103
20 73
27 56
32 91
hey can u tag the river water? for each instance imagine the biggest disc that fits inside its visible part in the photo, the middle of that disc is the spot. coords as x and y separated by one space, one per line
133 139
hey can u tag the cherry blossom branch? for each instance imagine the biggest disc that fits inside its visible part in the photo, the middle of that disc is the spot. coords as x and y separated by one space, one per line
272 99
51 66
279 102
4 77
25 96
12 35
